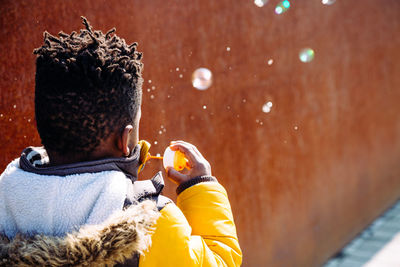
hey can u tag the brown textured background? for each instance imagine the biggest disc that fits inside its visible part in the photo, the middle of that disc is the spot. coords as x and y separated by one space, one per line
297 195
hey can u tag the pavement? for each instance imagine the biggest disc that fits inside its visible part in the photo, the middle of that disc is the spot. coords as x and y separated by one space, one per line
377 246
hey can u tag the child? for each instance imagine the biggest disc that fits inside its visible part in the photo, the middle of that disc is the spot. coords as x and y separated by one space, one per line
77 201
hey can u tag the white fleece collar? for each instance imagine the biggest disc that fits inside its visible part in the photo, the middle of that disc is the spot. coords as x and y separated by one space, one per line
54 205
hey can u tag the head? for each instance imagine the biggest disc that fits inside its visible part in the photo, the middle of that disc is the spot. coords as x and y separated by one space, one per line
88 95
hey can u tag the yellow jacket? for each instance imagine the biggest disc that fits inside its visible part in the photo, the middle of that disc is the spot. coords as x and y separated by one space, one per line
198 231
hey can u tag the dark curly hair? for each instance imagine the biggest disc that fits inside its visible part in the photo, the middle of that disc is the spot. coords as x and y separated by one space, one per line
88 85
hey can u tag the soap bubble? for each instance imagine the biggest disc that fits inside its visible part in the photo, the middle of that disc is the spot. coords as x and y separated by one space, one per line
270 61
152 96
204 107
202 78
286 4
266 108
260 3
328 2
306 55
228 49
282 7
295 128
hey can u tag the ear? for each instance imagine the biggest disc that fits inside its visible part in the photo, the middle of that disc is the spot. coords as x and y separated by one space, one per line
123 141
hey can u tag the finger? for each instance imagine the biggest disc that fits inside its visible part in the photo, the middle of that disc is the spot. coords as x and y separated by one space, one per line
189 146
176 176
195 150
186 149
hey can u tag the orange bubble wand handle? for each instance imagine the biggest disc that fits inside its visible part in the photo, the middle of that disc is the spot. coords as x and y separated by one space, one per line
155 157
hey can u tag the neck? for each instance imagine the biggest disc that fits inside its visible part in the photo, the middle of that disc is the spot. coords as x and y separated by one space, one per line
103 151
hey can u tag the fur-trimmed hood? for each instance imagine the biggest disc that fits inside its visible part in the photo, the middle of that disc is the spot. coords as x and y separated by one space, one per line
122 235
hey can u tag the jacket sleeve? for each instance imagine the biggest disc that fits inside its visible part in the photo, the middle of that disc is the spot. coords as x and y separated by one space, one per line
201 232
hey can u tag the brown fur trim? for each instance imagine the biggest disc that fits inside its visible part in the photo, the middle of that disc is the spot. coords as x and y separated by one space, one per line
117 239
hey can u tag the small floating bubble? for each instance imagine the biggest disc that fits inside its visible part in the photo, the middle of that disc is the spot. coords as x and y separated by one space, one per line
306 55
162 126
24 136
257 120
153 88
181 76
204 107
244 100
228 107
15 106
155 142
286 4
282 7
270 61
228 49
9 119
148 89
295 128
260 3
192 117
152 96
261 123
1 115
202 79
29 120
328 2
266 108
177 69
168 96
159 132
149 81
158 155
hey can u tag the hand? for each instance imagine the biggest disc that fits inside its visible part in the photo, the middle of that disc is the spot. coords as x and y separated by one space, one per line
199 166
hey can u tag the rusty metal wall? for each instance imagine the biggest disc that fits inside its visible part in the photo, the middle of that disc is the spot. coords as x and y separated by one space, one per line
304 178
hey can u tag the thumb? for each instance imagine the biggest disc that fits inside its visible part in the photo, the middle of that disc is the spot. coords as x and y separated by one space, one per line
176 176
